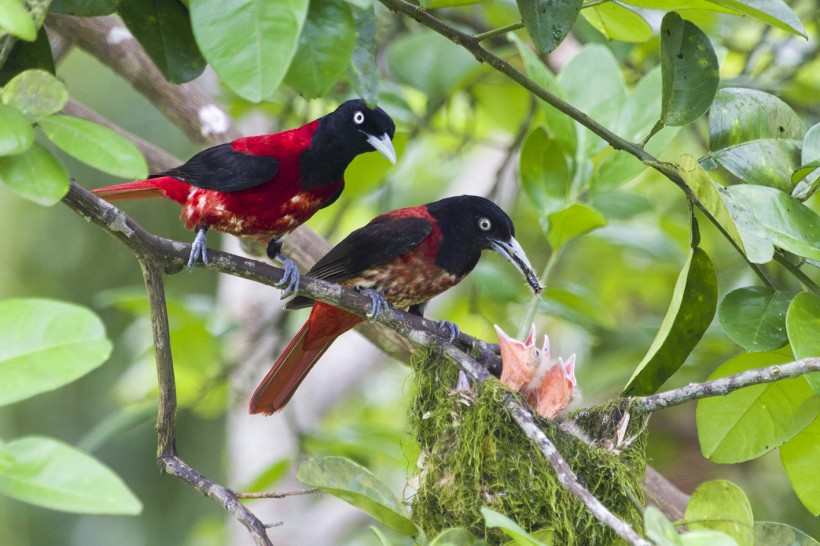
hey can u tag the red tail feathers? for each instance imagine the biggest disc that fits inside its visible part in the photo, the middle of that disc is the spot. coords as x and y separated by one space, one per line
164 187
324 325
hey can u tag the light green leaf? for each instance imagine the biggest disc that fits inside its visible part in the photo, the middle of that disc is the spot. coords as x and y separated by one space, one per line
36 93
543 172
674 5
46 344
690 313
642 107
364 73
763 162
721 506
749 422
457 536
659 529
803 325
707 538
579 305
51 474
249 43
618 22
35 174
770 532
773 12
84 8
811 145
807 177
16 134
548 21
383 539
690 71
95 145
573 221
493 519
799 457
355 484
754 317
16 20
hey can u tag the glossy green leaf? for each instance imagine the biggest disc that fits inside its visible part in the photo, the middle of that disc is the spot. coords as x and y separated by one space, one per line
28 56
803 325
249 43
754 317
325 48
773 12
770 532
721 506
364 72
799 457
51 474
493 520
766 214
560 127
457 536
35 174
618 22
764 162
16 134
543 172
690 313
36 93
572 221
16 20
548 21
355 484
811 145
84 8
659 529
95 145
749 422
163 28
690 71
807 176
46 344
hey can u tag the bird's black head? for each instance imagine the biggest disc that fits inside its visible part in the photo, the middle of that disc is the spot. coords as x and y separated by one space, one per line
470 224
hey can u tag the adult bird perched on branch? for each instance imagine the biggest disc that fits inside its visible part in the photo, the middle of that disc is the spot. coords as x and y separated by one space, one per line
263 187
405 257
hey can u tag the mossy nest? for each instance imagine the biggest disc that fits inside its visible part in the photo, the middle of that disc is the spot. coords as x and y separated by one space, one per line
474 455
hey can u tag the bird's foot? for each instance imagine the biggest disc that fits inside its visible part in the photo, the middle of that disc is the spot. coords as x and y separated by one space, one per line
199 248
377 302
290 280
452 327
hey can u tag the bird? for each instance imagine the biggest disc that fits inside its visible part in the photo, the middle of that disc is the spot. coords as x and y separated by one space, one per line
403 257
263 187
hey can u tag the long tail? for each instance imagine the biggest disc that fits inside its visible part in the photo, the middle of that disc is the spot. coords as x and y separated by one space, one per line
324 325
163 187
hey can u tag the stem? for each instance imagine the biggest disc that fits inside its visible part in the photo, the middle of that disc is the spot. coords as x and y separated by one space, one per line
797 272
498 31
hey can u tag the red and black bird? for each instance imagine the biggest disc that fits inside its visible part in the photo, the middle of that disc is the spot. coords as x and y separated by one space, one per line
405 257
263 187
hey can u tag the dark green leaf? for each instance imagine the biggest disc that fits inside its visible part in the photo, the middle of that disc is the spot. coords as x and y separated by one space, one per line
28 56
364 73
690 71
249 43
36 93
548 21
799 457
84 8
772 12
803 325
35 174
543 172
358 486
51 474
755 317
618 22
752 421
163 28
325 47
770 532
572 221
690 313
16 134
16 20
721 506
493 519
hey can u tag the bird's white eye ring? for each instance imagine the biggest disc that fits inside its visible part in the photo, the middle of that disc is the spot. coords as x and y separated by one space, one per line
484 224
358 118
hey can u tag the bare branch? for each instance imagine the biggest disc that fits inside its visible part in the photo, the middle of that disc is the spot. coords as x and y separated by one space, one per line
275 495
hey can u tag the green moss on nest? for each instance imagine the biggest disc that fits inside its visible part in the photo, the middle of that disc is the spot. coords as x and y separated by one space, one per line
474 456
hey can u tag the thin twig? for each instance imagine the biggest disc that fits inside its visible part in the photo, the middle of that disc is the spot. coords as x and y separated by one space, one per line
275 495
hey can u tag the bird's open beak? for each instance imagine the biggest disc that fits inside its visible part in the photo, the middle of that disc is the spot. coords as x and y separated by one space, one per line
383 145
513 253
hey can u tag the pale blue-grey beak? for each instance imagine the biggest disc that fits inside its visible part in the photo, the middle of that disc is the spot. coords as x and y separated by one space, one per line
383 145
513 253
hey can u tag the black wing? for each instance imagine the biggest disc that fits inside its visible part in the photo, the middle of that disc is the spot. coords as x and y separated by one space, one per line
222 168
378 242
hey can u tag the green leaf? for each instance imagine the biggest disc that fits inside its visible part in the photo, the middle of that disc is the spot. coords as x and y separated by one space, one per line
763 162
754 317
95 145
573 221
447 3
690 313
358 486
16 20
249 43
51 474
642 107
579 305
772 12
16 134
46 344
659 529
802 325
493 519
163 28
325 48
707 538
27 56
36 93
35 174
548 21
618 22
690 71
84 8
543 172
807 177
383 539
364 72
811 145
721 506
770 532
457 536
799 457
749 422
